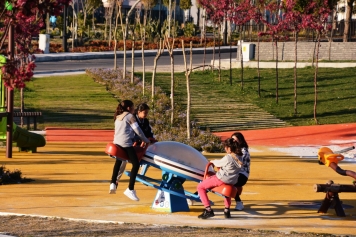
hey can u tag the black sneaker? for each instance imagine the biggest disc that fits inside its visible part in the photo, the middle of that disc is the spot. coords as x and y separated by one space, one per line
227 214
206 214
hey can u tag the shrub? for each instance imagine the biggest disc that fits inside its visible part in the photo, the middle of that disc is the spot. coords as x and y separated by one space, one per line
189 29
160 114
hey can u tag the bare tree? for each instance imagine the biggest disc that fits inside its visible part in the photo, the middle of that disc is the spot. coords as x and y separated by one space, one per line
158 55
170 47
147 5
109 7
276 44
212 67
137 19
124 32
219 53
316 79
89 6
187 76
204 35
241 58
118 15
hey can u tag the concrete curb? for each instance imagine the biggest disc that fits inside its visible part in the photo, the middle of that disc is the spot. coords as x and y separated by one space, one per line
110 54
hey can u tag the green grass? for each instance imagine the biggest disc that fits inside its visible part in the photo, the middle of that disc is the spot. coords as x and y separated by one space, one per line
69 101
336 93
78 102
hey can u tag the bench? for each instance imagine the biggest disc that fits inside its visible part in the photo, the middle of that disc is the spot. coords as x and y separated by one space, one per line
29 115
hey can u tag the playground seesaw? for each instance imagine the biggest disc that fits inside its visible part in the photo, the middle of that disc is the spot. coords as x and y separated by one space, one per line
331 159
178 163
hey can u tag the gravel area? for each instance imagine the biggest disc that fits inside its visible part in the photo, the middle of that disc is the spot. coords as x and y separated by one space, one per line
37 226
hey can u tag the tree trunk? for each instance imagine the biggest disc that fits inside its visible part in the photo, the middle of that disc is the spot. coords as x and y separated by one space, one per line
159 52
295 71
204 27
331 32
115 35
125 35
241 61
348 19
22 108
219 53
187 76
315 80
133 60
212 67
84 18
276 71
93 20
230 59
172 86
143 39
313 59
258 66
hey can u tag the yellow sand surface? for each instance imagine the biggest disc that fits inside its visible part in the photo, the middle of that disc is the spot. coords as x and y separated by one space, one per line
71 180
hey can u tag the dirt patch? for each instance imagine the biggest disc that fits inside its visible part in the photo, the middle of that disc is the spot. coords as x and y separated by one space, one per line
37 226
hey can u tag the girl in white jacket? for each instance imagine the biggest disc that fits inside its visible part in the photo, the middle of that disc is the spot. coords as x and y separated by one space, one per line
228 173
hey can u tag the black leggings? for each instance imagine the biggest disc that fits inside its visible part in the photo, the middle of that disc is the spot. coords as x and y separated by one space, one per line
240 182
131 153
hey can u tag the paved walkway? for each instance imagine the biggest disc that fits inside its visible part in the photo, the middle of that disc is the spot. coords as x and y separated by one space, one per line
71 180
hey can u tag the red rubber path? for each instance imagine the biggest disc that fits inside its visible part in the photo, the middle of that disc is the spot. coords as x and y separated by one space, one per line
333 134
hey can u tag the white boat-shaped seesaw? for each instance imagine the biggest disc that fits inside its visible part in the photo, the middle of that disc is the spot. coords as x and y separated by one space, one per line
179 163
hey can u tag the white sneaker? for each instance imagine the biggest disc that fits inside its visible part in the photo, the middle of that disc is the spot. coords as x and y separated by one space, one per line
112 189
190 202
131 194
239 206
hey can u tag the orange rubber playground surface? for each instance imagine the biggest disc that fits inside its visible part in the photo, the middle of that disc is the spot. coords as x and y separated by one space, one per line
72 173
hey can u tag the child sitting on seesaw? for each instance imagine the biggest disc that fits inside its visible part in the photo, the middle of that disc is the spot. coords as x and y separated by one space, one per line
228 173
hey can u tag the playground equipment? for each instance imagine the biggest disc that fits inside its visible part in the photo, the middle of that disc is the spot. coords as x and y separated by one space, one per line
332 196
179 163
25 140
330 159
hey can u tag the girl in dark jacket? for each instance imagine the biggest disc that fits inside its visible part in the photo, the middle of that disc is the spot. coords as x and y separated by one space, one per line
140 114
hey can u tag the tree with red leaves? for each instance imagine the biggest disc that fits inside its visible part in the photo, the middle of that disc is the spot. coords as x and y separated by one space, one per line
25 18
259 17
293 21
316 17
275 30
240 13
216 11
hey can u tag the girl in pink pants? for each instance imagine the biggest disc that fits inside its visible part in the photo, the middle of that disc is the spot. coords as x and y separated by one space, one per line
228 173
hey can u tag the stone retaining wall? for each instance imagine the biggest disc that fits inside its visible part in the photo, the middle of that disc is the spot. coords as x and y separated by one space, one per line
338 51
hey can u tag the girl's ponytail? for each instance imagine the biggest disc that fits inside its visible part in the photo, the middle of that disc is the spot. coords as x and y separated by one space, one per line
122 107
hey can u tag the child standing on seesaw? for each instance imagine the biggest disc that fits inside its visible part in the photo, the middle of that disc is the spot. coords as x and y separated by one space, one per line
228 173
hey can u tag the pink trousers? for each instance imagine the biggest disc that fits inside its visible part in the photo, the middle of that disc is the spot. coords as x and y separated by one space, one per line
209 183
